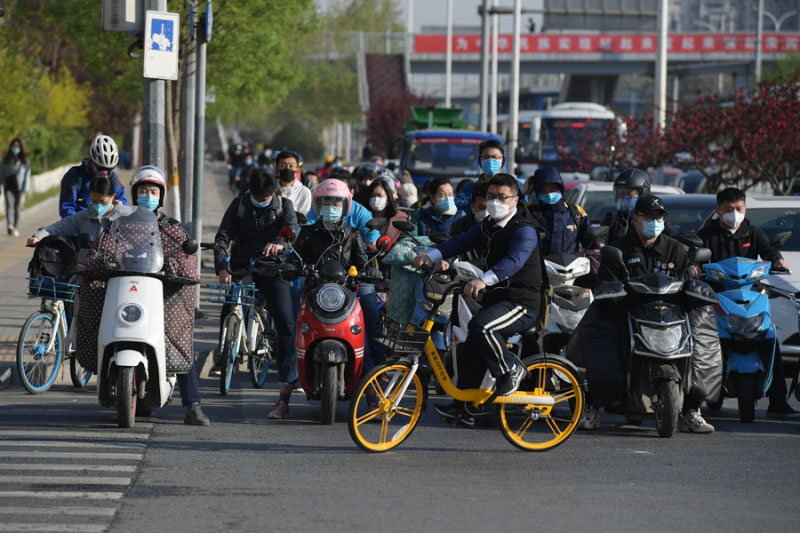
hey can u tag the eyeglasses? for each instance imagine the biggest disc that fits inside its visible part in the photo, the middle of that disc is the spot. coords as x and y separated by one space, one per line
502 197
495 157
651 218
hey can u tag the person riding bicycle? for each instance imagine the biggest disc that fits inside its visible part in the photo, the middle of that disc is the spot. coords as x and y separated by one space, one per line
103 157
511 289
630 185
148 190
733 235
250 227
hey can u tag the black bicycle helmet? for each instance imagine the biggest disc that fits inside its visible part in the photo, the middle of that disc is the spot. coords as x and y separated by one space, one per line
632 178
365 171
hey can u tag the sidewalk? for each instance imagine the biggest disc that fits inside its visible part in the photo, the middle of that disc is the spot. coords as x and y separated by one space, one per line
15 306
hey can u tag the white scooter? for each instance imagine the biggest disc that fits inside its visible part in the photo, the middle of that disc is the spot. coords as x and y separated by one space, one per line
131 354
569 302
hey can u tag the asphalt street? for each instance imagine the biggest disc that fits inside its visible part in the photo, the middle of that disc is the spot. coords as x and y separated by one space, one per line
66 466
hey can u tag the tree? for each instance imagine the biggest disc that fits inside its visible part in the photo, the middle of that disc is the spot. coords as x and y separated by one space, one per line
295 136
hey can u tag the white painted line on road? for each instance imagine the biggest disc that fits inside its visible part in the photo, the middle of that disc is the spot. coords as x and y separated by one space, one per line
74 434
76 511
65 480
73 455
57 528
66 444
89 468
55 494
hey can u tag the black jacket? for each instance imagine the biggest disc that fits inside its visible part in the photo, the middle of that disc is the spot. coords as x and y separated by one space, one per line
252 231
747 241
666 256
621 225
317 245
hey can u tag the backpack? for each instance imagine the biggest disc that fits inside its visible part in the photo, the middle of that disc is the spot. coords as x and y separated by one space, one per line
54 257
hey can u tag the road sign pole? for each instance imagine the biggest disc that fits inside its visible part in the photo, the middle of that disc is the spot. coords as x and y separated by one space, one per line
187 128
154 110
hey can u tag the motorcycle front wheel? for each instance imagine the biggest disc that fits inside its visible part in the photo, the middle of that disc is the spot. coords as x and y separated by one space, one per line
380 418
746 396
126 396
667 407
330 393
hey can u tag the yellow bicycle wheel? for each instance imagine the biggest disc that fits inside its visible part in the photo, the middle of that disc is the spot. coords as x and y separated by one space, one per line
540 427
381 414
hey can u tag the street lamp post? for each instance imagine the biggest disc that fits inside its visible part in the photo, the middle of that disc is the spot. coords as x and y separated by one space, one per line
660 90
493 98
448 74
513 118
759 39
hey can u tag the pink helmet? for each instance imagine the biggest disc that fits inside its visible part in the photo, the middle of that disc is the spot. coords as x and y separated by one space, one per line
333 188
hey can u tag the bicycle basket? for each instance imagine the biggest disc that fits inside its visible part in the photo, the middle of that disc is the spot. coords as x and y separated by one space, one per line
399 338
47 287
232 293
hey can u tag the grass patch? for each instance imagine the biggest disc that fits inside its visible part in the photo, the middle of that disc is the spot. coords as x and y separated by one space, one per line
32 199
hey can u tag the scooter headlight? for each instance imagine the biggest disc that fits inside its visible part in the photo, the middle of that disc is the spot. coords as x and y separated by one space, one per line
664 340
716 275
131 313
758 273
747 328
330 297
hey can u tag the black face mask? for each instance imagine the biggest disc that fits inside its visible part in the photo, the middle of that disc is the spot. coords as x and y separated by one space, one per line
286 175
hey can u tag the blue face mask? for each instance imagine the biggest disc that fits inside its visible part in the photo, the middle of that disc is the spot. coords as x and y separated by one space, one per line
146 201
101 209
627 205
549 198
330 213
337 164
652 228
15 150
445 204
261 205
492 166
248 162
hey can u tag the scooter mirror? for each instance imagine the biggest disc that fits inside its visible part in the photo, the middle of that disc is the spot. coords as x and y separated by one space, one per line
286 234
439 238
780 239
699 256
189 246
384 244
404 225
84 240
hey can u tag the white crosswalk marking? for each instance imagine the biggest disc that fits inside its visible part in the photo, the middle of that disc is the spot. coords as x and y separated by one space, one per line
69 469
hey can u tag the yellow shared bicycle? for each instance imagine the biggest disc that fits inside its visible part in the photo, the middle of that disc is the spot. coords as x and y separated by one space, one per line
387 404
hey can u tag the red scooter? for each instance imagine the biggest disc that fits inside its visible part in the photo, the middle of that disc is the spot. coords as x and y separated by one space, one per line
330 333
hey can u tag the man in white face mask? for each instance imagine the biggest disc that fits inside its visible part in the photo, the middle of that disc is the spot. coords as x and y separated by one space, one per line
735 236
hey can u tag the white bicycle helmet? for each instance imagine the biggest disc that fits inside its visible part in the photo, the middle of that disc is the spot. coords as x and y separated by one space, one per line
103 152
152 175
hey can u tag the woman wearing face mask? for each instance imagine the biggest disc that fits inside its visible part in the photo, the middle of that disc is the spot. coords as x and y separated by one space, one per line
92 221
15 176
382 205
440 212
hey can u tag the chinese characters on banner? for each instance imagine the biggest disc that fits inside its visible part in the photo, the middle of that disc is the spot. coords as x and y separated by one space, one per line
687 43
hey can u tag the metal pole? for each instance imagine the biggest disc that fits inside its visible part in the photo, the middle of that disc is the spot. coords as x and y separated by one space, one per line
199 143
676 82
137 140
187 128
409 42
154 110
448 62
759 39
493 94
513 118
485 66
660 88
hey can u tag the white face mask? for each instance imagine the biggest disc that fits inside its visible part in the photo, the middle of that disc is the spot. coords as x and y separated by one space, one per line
367 182
497 209
286 190
733 219
480 215
378 203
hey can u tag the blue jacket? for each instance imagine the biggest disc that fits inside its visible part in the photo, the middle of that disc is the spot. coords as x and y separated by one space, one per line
464 198
356 218
75 189
523 243
564 225
430 221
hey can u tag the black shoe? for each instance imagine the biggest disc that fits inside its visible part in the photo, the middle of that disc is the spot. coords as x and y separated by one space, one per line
195 416
454 414
782 412
509 383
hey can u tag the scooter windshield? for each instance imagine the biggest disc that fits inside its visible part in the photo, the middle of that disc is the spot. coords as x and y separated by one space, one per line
137 243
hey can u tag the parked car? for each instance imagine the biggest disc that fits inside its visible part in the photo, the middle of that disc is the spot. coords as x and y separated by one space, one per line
691 182
776 215
687 212
597 198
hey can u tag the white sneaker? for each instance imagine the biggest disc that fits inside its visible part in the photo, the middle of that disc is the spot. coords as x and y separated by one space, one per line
591 417
693 422
15 232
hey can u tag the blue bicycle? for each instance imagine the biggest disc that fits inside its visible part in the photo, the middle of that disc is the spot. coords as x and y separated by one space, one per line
46 339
